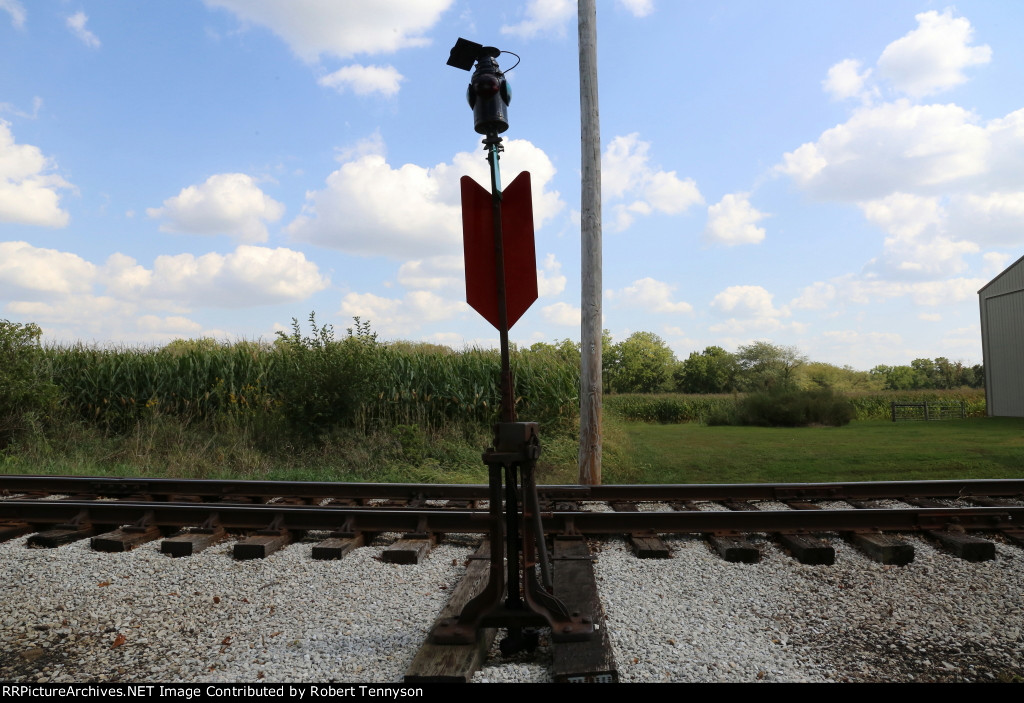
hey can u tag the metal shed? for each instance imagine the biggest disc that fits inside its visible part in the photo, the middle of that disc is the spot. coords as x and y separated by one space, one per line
1002 341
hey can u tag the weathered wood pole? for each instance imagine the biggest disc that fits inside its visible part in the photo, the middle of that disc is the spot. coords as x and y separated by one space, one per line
590 230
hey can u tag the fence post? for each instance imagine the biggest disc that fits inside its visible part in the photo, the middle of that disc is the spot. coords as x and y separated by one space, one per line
926 418
893 404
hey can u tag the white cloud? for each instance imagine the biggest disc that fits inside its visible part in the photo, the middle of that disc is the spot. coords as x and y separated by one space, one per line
996 262
399 316
543 16
550 281
16 10
953 290
917 244
125 277
434 273
863 290
561 314
372 209
932 57
76 23
870 348
968 339
343 29
171 326
991 219
755 325
747 301
626 174
76 299
638 8
924 149
227 203
28 192
733 220
940 182
651 295
25 268
551 16
82 315
815 297
248 276
104 319
930 317
846 81
364 80
37 103
904 215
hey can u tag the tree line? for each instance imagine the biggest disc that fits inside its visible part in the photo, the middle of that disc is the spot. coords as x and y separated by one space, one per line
644 363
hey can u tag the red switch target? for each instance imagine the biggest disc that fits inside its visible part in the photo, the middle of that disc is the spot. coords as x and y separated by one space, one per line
518 244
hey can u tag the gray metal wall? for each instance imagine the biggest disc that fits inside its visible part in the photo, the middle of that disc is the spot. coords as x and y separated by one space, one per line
1002 339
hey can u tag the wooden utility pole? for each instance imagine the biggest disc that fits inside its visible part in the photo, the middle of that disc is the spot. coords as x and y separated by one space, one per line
590 230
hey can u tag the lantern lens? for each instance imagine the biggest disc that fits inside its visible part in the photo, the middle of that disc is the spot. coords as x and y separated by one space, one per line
486 86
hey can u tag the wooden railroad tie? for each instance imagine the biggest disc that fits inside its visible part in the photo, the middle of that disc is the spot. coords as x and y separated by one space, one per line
76 529
732 547
264 542
338 545
194 541
125 539
955 540
10 530
456 663
807 549
885 549
410 549
646 544
591 661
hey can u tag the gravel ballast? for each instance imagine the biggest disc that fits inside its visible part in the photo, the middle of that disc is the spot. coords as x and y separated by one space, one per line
71 614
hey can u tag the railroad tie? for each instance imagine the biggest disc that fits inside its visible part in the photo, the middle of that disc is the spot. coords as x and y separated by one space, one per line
410 549
964 545
456 663
10 530
338 545
192 542
732 547
646 544
1014 535
125 539
807 549
954 539
877 546
590 661
265 542
78 528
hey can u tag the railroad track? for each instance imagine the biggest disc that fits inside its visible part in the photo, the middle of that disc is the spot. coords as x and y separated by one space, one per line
962 517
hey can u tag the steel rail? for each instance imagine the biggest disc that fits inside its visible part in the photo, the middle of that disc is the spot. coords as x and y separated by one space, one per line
302 518
118 487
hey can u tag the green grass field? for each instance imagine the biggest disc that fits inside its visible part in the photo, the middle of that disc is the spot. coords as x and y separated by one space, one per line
864 450
867 450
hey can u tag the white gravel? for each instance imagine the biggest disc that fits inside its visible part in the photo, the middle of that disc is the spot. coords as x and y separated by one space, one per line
71 614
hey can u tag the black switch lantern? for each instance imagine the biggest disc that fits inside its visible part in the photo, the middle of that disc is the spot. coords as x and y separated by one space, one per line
488 93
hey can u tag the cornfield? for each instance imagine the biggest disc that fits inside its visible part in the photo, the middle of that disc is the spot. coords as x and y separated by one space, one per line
312 387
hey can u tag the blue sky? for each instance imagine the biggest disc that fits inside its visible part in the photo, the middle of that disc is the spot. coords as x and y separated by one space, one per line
838 176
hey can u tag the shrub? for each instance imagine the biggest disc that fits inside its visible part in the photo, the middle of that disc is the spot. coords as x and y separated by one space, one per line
794 408
26 393
322 383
